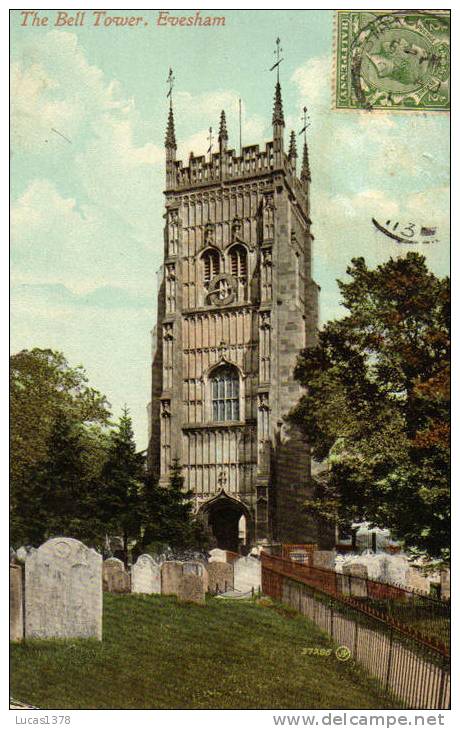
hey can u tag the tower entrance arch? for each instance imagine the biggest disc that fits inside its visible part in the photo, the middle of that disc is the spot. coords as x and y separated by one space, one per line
230 521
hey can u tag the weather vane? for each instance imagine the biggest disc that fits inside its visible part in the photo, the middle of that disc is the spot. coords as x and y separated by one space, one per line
277 54
170 81
306 124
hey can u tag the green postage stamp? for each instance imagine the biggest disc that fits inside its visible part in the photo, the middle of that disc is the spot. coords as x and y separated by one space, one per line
393 60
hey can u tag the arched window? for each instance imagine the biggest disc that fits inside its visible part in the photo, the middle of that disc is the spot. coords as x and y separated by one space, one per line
225 393
211 265
239 268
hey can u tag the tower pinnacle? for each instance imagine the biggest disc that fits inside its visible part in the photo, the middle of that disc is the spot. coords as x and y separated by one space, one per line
278 115
292 146
223 134
170 139
305 173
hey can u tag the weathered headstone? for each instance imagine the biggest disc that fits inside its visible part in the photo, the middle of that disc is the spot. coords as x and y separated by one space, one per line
247 574
323 559
63 591
171 573
356 574
218 555
220 576
146 576
191 588
16 603
196 568
445 584
114 577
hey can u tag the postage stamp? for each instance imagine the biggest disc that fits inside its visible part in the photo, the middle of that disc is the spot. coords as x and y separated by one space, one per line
393 60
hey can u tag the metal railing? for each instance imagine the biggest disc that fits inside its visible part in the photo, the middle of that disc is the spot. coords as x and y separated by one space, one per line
406 665
421 617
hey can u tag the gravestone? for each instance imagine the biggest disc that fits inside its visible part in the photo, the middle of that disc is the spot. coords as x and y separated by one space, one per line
16 603
146 576
323 559
247 574
356 574
191 588
220 576
114 577
171 573
445 584
63 591
196 568
218 555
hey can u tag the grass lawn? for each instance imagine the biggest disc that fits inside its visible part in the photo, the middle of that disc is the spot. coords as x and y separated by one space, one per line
161 654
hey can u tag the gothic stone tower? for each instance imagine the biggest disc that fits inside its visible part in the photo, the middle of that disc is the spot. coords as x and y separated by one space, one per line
236 303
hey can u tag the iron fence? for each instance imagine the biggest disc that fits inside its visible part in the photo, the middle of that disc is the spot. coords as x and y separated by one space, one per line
421 617
406 666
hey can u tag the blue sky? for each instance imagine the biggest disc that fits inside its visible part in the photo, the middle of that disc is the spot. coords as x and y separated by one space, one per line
87 208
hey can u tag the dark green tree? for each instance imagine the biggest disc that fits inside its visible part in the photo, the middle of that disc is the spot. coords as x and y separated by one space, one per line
120 501
169 517
376 404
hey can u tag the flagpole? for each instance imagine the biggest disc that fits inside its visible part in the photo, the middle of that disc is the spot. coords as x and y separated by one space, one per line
241 147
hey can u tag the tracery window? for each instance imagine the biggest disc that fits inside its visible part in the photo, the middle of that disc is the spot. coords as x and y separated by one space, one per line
211 266
225 394
239 268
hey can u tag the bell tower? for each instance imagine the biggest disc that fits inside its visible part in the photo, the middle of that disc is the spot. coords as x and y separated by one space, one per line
236 303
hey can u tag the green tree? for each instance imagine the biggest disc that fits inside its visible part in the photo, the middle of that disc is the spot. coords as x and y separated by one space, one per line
57 442
376 404
123 475
169 517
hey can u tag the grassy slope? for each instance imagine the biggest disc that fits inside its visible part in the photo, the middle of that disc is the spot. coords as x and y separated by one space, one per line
159 654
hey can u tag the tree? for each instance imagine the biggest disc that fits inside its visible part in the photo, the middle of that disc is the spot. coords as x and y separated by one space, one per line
169 518
57 441
123 475
376 404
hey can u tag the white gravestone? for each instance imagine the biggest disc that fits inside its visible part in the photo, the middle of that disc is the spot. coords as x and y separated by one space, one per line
146 576
247 574
218 555
63 587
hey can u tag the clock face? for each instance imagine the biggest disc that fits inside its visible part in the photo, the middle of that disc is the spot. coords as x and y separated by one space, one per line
222 289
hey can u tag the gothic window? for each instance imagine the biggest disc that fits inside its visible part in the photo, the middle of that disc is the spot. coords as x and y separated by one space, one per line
239 268
225 394
211 266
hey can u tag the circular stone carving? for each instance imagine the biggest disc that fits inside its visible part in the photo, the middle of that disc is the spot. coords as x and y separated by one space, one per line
222 289
62 549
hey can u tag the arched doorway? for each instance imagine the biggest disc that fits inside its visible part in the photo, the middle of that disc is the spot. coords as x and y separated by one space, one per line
229 520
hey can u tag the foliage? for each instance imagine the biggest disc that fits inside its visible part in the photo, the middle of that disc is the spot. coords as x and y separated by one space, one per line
57 441
376 404
168 516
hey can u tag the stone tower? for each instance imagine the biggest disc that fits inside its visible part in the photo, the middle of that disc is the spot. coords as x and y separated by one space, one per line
236 303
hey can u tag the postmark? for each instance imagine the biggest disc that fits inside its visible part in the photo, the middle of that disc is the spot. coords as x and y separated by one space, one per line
393 60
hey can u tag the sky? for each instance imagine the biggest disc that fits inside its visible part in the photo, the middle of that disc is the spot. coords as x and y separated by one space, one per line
88 117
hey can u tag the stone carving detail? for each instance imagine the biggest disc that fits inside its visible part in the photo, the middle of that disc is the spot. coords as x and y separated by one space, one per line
146 576
64 591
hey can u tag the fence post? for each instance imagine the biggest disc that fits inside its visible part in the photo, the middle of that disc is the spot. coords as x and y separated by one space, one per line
331 606
355 646
441 687
390 654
